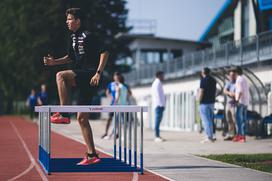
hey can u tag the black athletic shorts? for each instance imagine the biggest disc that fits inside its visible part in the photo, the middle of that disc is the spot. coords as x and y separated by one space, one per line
111 114
86 92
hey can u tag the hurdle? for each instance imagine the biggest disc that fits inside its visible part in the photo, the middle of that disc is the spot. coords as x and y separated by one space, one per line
125 153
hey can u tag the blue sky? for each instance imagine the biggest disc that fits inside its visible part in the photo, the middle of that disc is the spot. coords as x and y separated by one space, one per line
182 19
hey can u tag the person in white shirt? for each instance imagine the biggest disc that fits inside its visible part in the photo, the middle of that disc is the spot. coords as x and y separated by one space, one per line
242 99
121 95
158 99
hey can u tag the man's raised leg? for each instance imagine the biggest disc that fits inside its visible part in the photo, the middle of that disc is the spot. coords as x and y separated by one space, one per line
65 79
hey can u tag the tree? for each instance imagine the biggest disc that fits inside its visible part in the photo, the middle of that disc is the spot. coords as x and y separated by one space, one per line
31 29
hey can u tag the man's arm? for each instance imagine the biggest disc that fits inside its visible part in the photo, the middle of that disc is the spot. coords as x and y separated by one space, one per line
108 93
102 63
201 93
117 96
51 61
228 93
239 93
161 95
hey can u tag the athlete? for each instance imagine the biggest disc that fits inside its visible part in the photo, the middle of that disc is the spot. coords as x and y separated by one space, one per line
111 92
87 60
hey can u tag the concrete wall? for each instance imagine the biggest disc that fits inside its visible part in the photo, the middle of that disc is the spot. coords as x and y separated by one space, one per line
163 44
238 20
182 85
252 20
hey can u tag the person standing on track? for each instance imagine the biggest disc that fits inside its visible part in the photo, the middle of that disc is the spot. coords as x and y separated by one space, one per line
88 60
111 92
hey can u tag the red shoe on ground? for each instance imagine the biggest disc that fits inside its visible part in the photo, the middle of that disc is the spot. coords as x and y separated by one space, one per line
57 118
242 139
89 159
236 138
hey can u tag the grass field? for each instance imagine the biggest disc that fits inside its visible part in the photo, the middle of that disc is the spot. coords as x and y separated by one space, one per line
262 162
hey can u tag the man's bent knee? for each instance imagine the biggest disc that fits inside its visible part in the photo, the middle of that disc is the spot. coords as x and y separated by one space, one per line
59 76
82 118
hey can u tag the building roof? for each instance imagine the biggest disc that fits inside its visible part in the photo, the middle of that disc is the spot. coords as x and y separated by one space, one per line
153 37
265 4
220 13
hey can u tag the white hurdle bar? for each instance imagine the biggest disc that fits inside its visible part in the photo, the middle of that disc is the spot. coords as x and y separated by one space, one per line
125 118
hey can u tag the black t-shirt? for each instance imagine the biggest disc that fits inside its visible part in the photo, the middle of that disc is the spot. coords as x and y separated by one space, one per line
208 84
84 50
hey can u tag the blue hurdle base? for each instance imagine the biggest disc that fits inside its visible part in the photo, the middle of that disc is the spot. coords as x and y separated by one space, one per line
70 165
106 165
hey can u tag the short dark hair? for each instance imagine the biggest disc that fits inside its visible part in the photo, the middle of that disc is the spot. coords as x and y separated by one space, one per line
239 70
232 70
76 12
122 79
117 73
159 73
206 71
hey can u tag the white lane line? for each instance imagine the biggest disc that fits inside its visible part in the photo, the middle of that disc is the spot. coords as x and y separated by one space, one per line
135 176
32 159
22 173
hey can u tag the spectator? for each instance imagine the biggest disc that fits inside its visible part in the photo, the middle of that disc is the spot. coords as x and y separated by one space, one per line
242 99
111 92
31 102
207 100
121 97
159 100
43 96
229 91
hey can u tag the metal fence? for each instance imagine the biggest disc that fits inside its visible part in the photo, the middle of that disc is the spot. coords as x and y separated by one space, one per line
179 114
253 49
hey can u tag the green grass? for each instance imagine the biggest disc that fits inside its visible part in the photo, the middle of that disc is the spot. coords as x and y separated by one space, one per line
262 162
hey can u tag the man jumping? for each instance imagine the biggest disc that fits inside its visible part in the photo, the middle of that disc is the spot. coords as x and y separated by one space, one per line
88 62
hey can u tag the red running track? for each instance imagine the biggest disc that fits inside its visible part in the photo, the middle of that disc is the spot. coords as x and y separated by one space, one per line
19 152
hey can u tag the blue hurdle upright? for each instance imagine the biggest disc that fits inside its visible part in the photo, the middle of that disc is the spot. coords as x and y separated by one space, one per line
125 126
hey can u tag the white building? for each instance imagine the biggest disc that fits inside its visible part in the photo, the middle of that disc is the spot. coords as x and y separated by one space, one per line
240 34
238 19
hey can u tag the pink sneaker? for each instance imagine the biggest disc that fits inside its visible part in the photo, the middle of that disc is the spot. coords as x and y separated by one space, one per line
59 119
236 138
57 114
89 159
242 139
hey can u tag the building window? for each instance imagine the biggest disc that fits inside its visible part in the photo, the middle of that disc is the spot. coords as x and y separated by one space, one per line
149 57
245 18
176 53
